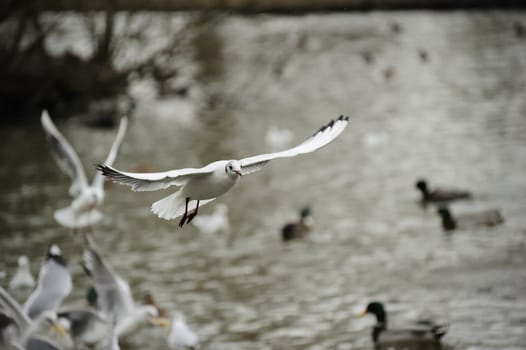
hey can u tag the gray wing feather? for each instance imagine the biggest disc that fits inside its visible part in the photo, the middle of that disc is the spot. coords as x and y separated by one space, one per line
14 310
54 284
154 181
113 292
98 180
320 138
64 155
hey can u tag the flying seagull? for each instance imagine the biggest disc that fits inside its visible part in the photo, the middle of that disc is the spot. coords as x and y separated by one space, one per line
115 296
199 186
82 211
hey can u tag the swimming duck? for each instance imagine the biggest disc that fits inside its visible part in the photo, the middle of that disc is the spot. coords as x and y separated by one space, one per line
440 194
298 229
487 218
416 335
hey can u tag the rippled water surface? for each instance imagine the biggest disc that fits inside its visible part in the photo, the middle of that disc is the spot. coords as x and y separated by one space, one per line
458 118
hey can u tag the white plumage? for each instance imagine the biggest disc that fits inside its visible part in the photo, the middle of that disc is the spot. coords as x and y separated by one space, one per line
181 336
23 277
82 212
198 186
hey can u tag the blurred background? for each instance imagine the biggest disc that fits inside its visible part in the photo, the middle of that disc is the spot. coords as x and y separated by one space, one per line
433 94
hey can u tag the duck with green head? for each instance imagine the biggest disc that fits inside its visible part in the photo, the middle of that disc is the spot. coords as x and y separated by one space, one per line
420 334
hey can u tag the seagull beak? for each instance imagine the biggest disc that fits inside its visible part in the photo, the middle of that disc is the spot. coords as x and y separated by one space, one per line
57 327
238 173
162 322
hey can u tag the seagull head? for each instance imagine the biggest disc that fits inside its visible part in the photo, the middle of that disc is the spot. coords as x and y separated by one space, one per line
233 168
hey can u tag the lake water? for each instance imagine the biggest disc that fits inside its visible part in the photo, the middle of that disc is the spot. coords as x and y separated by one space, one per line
457 118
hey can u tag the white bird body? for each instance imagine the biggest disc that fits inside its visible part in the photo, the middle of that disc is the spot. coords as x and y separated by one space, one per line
198 186
181 335
23 277
82 211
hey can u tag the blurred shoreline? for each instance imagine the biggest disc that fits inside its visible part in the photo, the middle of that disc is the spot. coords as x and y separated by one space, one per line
270 6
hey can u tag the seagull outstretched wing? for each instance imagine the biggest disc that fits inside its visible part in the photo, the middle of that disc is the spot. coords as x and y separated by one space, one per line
98 180
65 156
154 181
320 138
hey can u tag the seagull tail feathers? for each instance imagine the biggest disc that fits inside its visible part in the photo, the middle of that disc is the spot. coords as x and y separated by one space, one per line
67 217
173 206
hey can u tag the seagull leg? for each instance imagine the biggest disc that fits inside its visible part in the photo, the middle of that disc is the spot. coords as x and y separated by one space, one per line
192 216
185 215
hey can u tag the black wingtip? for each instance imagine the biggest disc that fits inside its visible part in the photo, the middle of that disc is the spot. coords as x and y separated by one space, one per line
103 168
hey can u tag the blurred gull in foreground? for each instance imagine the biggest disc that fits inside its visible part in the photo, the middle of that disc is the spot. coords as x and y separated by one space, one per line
181 337
54 284
20 332
23 277
115 298
82 212
199 186
214 223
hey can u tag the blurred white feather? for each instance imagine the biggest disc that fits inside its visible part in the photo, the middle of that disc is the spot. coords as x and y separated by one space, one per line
23 277
215 222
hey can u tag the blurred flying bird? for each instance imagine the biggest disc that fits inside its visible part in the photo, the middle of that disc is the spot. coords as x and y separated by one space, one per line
23 277
199 186
417 333
82 212
114 295
486 218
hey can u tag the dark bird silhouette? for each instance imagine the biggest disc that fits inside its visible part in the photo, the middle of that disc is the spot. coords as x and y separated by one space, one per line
486 218
424 55
440 194
421 334
298 229
389 72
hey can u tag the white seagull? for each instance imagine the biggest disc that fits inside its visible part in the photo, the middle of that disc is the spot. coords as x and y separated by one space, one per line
23 277
198 186
82 212
20 332
115 297
54 284
181 336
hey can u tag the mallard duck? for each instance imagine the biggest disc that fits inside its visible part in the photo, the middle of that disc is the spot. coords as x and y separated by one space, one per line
484 218
298 229
440 194
419 333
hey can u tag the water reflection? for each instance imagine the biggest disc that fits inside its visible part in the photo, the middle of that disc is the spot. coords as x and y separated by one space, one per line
457 118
